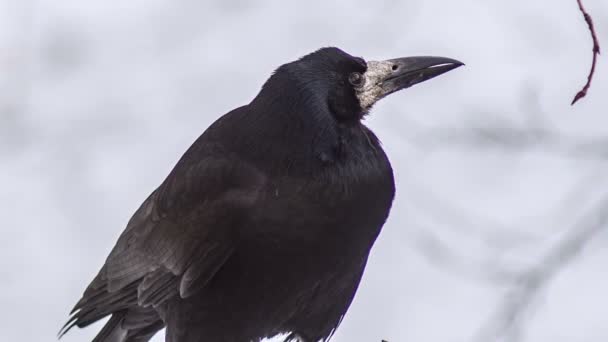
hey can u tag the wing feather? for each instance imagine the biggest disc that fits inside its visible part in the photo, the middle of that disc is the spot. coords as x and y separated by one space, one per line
177 240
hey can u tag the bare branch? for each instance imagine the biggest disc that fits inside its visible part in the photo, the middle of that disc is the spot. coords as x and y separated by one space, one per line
510 137
507 322
596 51
495 266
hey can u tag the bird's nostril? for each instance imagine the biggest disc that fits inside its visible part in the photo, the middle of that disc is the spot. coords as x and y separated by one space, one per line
395 67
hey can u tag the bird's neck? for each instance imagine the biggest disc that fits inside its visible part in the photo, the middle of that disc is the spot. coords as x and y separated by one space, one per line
289 142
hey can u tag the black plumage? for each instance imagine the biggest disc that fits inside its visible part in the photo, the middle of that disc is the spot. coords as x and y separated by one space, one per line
265 224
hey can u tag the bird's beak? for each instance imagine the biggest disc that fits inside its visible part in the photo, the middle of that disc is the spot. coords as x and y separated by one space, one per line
386 77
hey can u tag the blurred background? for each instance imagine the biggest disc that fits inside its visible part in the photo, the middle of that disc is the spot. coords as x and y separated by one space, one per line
499 228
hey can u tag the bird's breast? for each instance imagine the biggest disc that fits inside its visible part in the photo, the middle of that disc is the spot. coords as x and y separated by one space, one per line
339 212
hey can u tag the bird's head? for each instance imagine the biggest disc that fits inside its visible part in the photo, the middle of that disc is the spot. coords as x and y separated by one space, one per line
349 86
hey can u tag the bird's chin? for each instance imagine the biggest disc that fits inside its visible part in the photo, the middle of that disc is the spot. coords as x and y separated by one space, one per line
368 97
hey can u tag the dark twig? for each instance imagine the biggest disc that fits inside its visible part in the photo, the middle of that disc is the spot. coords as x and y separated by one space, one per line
596 52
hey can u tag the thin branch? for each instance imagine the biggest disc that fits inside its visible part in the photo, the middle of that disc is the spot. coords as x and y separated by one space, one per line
596 52
491 269
511 137
508 321
495 267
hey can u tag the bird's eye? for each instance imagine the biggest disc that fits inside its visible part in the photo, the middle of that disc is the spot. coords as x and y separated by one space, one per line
355 79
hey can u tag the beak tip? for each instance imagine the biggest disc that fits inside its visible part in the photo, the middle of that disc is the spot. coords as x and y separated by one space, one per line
457 63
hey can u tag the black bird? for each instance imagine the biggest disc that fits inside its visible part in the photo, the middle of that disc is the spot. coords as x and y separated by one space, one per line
265 224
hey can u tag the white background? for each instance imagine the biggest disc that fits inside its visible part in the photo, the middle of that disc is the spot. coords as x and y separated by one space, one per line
99 98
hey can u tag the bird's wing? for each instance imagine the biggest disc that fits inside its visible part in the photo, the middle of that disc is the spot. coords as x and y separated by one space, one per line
179 237
186 229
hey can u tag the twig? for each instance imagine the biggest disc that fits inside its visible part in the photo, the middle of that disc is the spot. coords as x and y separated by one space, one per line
507 323
506 136
596 52
495 266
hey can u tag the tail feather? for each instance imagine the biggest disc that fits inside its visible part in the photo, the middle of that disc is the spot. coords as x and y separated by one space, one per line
146 333
113 331
129 322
